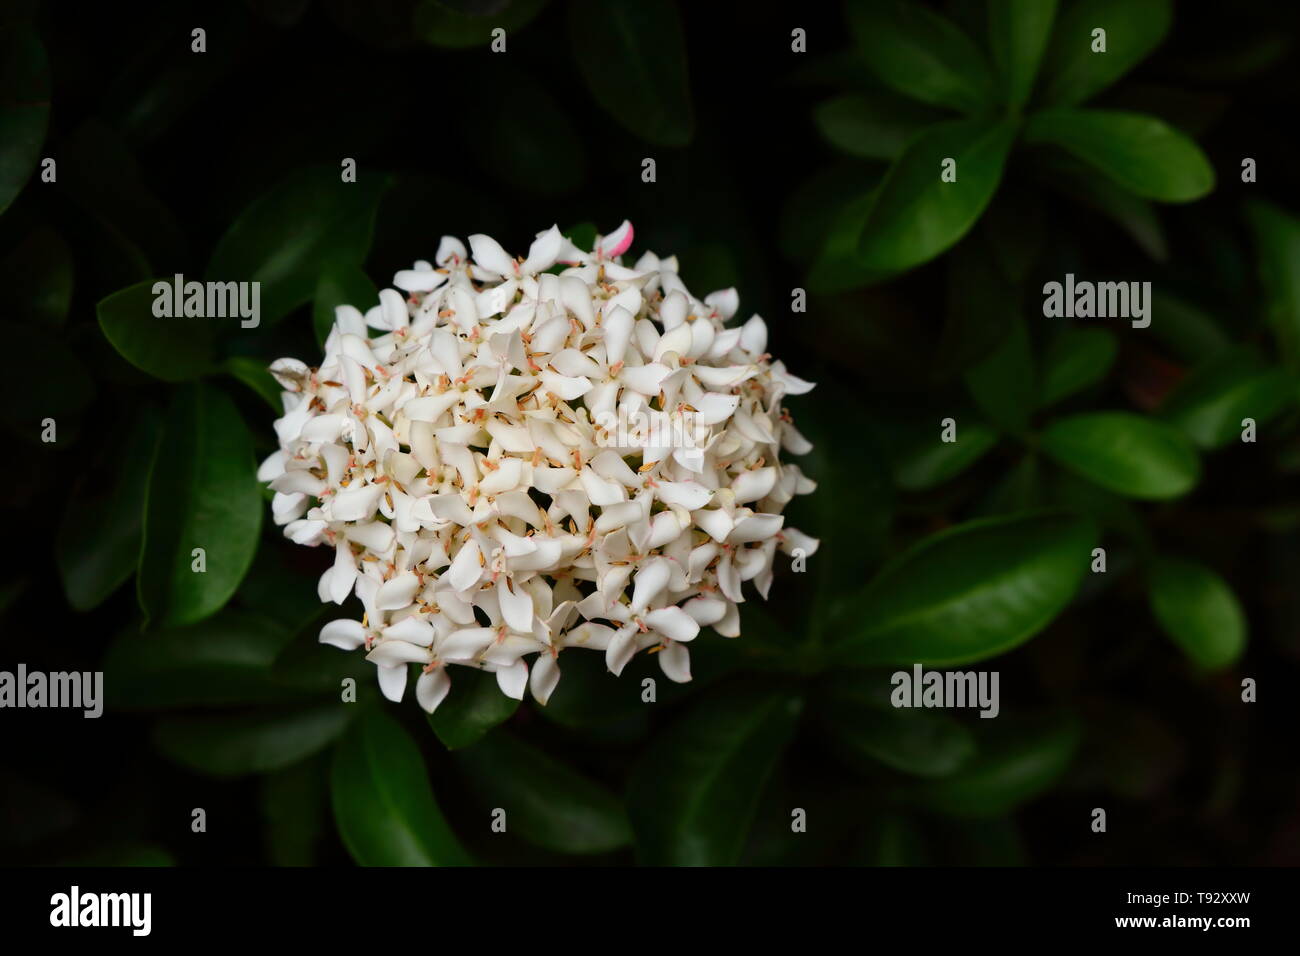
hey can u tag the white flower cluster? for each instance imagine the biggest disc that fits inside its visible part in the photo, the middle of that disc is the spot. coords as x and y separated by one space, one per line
463 467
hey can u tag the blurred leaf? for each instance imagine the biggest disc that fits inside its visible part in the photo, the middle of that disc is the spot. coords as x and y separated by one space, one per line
98 543
1084 184
1192 334
864 726
916 216
476 706
1277 244
1198 610
593 702
1004 383
1141 153
1019 489
693 794
282 237
202 494
1017 761
813 207
295 811
1072 72
982 302
256 375
173 349
633 57
892 839
24 108
1018 35
921 54
36 279
1210 404
872 125
1075 359
1125 453
460 25
340 283
968 593
929 461
225 660
34 394
538 149
546 802
383 805
232 745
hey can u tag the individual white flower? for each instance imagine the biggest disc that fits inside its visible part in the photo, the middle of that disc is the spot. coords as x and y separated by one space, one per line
529 454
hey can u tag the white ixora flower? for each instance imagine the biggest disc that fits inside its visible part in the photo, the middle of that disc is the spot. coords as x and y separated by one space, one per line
456 448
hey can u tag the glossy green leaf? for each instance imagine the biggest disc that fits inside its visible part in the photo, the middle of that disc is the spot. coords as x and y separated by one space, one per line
872 125
1003 383
930 461
1075 359
255 374
693 794
202 494
1018 35
1277 246
1124 453
915 215
921 54
864 726
1018 760
968 593
633 59
258 741
340 283
1141 153
99 541
225 660
1213 401
1072 72
24 108
174 349
1198 610
476 706
383 805
282 237
546 802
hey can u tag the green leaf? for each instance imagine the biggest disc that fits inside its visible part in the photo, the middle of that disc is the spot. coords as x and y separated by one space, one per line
1003 384
1073 73
693 794
232 745
36 279
475 708
225 660
281 238
1211 403
383 805
255 374
968 593
1190 333
1017 762
1075 359
98 543
891 839
340 283
202 493
24 108
1198 610
1141 153
1277 244
1124 453
915 215
1084 184
174 349
930 461
866 729
633 58
872 125
1018 35
921 54
546 803
295 811
442 25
